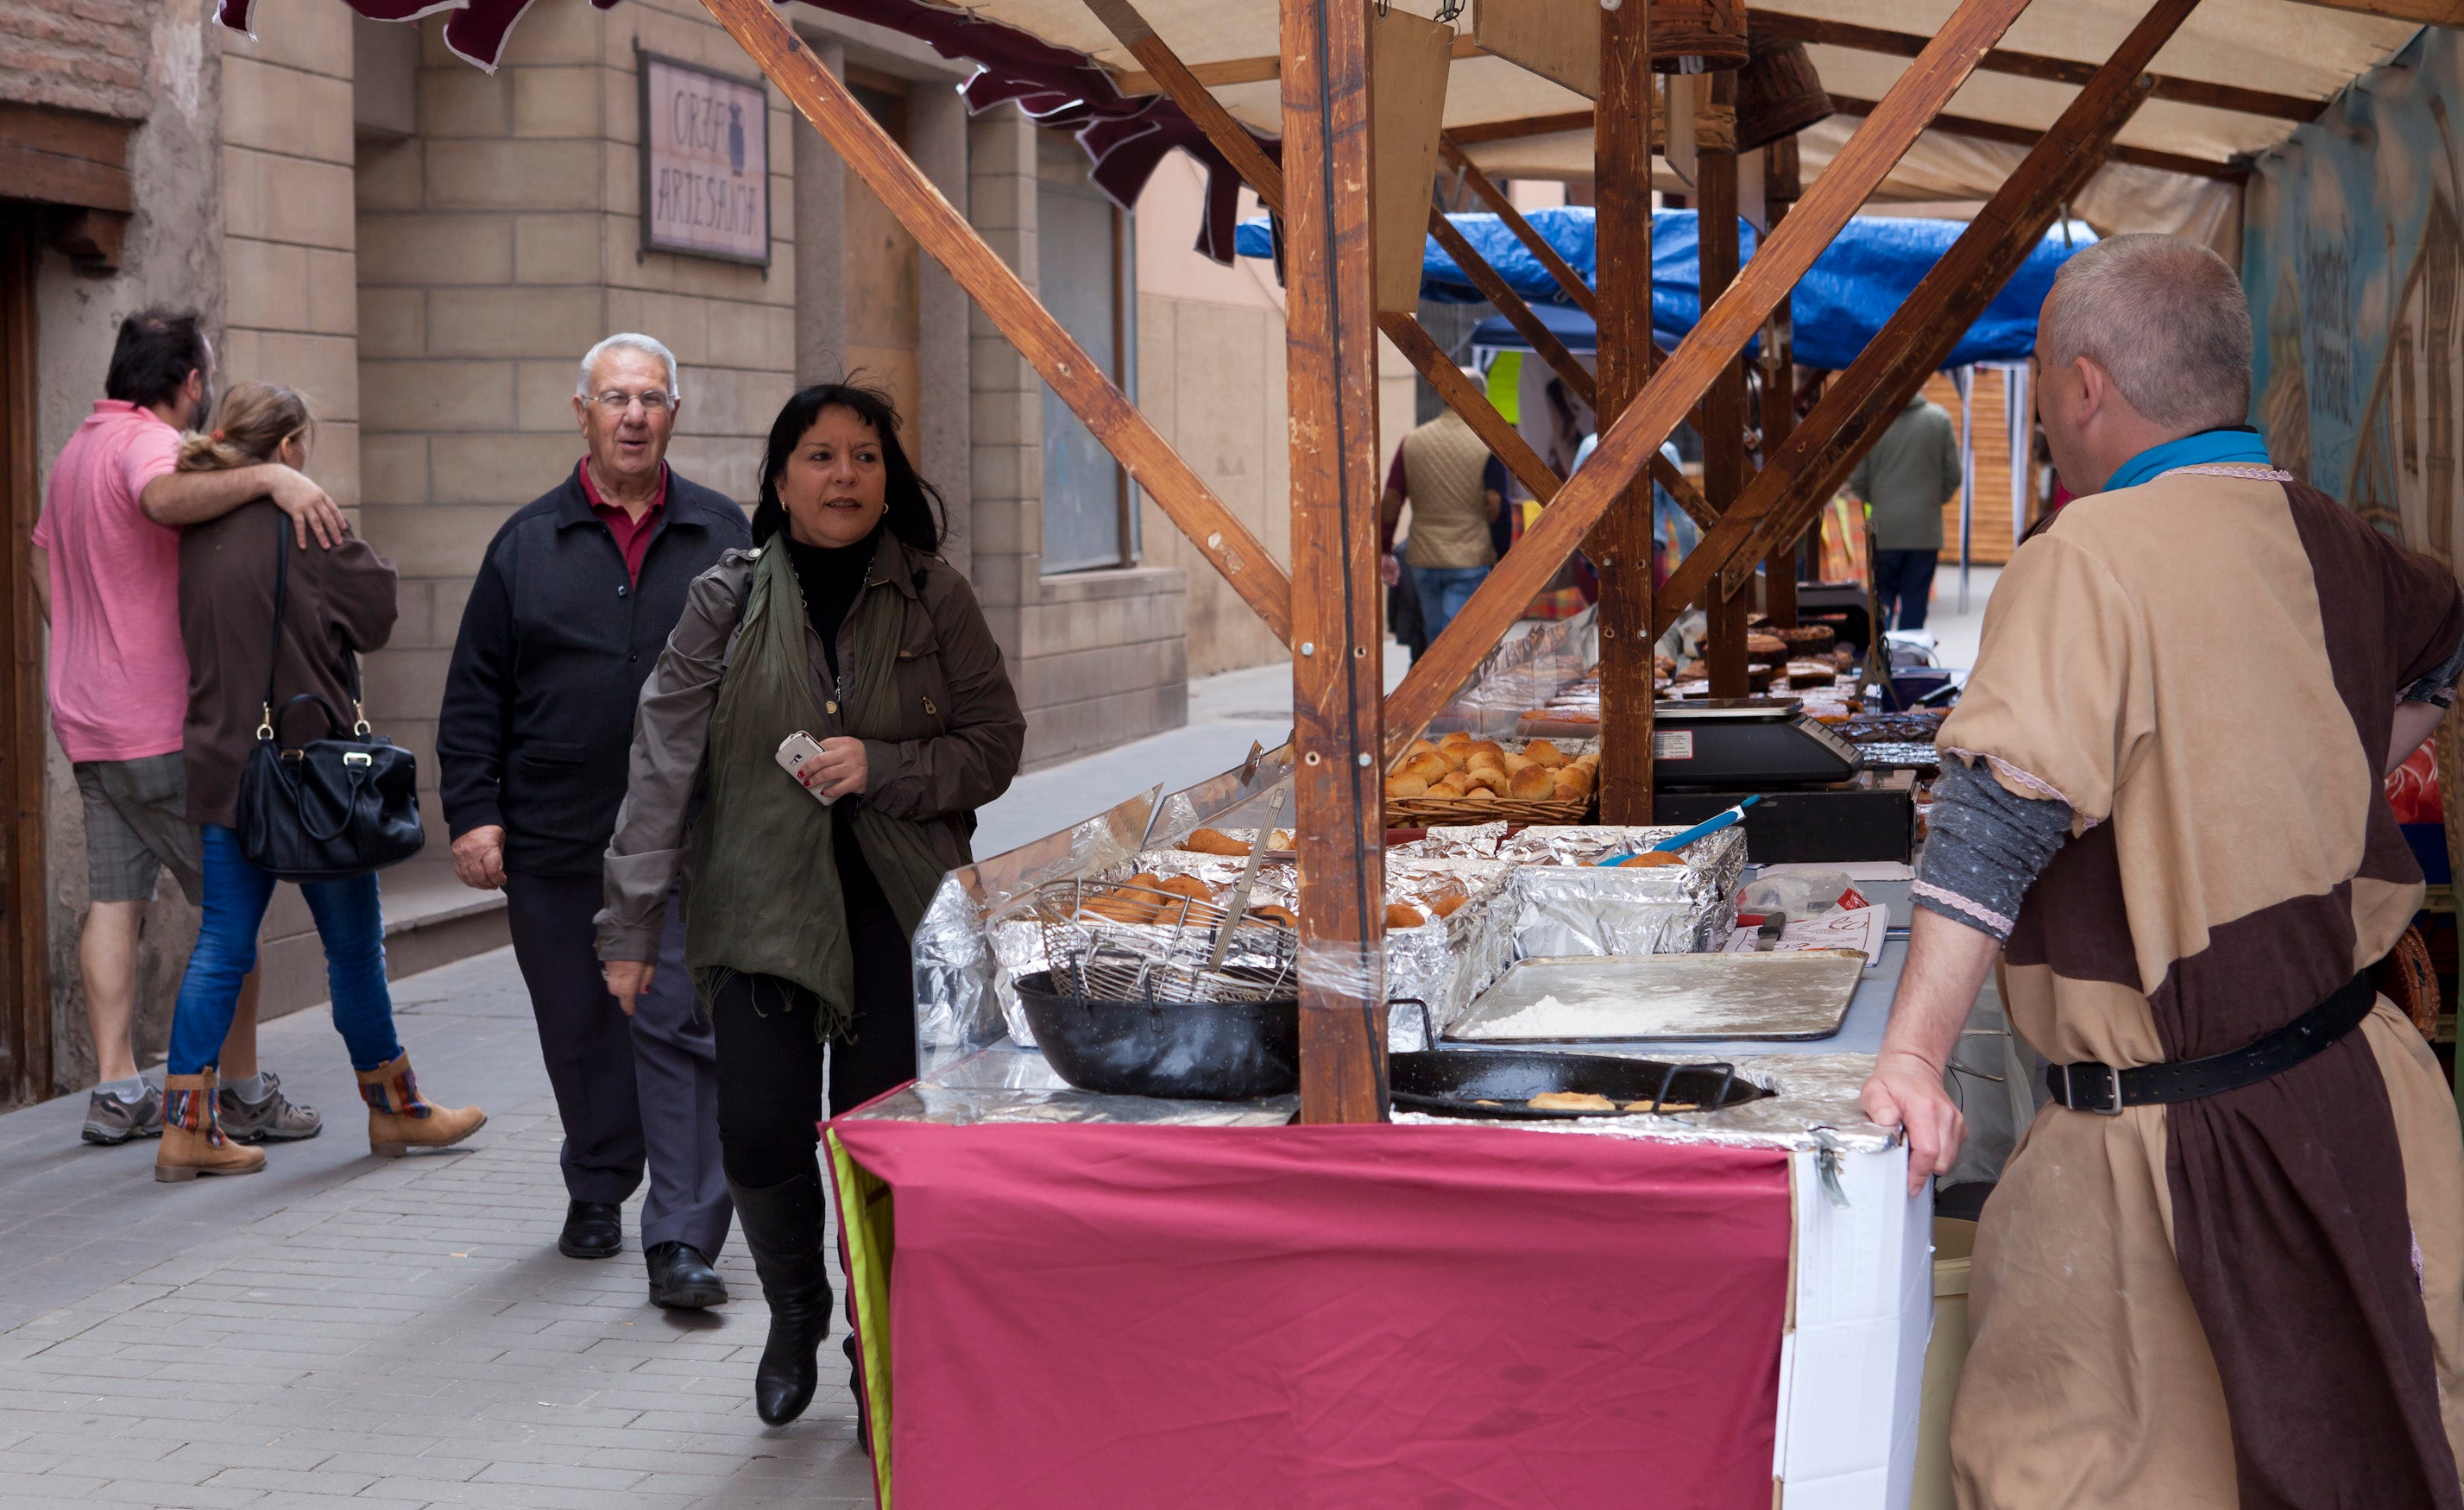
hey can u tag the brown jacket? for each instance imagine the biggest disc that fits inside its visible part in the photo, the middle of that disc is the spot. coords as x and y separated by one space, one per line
339 601
957 747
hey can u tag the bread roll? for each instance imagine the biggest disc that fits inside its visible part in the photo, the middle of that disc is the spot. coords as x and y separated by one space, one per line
1445 902
1398 915
1479 793
1275 912
1117 907
1455 740
1214 841
1430 768
1515 762
1574 781
1483 760
1488 777
1649 860
1532 781
1406 786
1544 751
1484 747
1456 785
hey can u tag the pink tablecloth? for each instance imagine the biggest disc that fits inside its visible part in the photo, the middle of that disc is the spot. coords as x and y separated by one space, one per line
1339 1316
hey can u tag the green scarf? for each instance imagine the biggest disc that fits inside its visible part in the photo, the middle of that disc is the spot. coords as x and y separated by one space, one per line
765 894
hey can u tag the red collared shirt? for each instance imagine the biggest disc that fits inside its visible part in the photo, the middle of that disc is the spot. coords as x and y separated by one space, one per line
633 535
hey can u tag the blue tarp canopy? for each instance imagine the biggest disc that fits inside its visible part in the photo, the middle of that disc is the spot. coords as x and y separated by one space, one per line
1857 283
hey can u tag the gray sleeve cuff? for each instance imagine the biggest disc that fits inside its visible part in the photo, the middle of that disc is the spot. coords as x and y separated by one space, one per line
2439 686
1985 847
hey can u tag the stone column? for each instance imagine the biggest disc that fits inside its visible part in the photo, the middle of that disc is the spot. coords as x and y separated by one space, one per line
1006 474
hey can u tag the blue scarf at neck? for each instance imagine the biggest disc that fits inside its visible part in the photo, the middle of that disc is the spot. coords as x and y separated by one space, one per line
2232 443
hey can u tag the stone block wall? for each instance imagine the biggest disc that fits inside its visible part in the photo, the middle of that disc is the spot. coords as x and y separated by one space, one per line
1098 657
497 245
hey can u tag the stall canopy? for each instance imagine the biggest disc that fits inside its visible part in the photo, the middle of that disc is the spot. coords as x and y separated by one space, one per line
1857 283
2237 78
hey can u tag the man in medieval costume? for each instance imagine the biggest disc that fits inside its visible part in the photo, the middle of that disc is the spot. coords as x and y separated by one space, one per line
2226 1265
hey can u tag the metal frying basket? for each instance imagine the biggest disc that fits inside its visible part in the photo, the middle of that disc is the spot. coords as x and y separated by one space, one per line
1099 947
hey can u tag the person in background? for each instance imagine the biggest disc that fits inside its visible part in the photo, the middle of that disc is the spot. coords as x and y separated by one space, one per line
2226 1265
1441 468
336 604
575 596
106 570
1905 479
843 625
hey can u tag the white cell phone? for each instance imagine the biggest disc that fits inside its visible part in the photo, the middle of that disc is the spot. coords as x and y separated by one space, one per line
793 752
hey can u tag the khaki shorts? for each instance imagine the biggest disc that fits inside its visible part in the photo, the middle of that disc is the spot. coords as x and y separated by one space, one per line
136 824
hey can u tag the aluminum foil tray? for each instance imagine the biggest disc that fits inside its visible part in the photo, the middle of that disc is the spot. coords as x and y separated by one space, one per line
1666 998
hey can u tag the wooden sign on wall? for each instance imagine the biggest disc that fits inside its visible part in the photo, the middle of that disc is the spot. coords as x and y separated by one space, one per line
705 162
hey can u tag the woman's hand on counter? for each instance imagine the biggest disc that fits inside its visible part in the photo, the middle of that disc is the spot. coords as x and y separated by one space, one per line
837 771
626 980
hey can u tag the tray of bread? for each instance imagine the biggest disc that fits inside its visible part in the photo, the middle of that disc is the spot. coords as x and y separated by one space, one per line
1461 779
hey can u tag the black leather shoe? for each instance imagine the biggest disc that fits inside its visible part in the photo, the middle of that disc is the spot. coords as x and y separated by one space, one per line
593 1229
783 1228
682 1280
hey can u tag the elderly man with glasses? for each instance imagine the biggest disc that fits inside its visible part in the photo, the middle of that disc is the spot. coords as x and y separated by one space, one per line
575 599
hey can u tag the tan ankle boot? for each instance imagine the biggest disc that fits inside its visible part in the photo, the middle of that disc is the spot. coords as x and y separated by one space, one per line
400 1119
193 1134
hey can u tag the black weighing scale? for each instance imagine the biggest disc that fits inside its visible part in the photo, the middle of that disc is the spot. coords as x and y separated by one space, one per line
1748 743
1818 801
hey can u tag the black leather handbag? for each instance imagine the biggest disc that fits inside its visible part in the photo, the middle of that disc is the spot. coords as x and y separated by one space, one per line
337 807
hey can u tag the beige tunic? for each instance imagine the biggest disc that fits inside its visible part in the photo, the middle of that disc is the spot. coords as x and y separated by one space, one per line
2214 1302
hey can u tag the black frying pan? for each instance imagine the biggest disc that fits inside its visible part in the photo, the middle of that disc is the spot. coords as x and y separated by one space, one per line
1499 1083
1182 1050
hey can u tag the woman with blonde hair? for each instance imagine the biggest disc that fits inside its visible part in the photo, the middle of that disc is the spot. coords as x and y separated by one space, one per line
335 604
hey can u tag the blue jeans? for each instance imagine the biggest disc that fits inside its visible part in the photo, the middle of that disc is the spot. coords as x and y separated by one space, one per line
1443 591
347 921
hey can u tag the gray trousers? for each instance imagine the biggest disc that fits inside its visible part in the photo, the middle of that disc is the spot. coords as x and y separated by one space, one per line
632 1093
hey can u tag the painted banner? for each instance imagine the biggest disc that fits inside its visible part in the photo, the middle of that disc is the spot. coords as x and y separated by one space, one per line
705 163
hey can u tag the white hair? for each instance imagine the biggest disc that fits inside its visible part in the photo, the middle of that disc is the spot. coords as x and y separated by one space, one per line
2165 317
629 340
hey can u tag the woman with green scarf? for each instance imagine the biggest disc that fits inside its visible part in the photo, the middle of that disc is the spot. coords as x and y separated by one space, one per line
803 888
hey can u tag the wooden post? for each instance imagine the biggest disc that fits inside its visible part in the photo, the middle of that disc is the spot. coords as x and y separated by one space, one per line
1723 407
1224 541
1780 188
1626 446
1337 711
1620 545
1857 403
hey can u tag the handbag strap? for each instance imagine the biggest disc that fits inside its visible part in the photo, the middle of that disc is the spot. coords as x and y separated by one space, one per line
273 657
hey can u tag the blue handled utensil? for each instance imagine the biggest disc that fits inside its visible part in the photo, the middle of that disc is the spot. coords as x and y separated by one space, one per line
1678 841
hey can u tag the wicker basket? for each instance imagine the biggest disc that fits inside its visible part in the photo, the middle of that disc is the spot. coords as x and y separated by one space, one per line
1421 812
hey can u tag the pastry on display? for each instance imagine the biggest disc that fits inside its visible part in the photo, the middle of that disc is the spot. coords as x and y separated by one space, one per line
1571 1101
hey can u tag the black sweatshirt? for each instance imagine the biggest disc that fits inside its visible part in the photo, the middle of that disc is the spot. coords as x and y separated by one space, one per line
556 642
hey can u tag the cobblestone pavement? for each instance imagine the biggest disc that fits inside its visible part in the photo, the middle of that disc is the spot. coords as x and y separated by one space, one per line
346 1329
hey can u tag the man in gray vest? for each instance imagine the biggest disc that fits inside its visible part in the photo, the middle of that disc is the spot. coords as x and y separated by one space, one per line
1441 469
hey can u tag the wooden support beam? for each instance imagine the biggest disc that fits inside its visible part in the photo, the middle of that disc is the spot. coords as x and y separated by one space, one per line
1804 472
1626 446
1494 288
1222 538
1781 186
2031 65
2021 135
1330 342
1724 409
1621 543
1528 126
1243 70
1525 231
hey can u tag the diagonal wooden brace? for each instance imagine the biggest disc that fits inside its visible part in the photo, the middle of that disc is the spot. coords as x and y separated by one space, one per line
1858 402
1176 489
1629 443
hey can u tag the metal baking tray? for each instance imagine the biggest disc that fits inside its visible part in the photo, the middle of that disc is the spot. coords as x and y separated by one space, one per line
1666 998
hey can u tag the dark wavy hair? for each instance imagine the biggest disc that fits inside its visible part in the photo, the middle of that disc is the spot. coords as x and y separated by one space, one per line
914 509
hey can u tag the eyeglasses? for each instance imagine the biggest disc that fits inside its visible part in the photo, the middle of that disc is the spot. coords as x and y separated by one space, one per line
652 399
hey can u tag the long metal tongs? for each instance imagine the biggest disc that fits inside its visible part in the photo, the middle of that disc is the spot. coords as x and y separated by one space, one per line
1248 874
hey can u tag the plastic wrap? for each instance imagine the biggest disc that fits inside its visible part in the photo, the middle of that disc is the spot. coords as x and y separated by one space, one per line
1223 800
1521 674
958 984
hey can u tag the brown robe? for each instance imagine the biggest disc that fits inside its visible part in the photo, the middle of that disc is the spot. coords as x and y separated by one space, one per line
2256 1299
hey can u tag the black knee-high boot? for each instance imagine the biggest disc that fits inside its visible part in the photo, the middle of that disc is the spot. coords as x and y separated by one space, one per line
783 1228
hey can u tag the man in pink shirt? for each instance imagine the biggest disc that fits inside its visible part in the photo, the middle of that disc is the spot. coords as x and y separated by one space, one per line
107 569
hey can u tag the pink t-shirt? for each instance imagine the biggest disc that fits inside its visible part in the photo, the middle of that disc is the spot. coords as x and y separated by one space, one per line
119 673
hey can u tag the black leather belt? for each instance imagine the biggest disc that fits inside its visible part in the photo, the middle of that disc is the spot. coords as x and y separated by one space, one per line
2091 1086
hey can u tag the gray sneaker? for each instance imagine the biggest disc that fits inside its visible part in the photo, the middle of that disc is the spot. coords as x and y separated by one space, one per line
276 1119
110 1120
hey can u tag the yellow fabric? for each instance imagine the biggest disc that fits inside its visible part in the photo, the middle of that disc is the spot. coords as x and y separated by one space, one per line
865 1216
